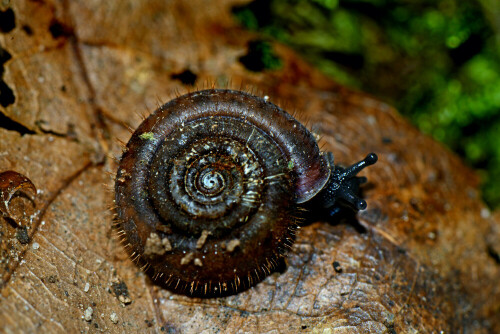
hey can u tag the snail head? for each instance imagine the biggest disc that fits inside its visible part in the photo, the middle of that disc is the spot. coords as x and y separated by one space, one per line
343 186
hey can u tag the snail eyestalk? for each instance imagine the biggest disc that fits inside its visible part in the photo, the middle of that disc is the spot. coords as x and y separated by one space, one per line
344 185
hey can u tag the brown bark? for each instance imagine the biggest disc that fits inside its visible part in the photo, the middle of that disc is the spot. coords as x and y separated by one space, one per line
82 71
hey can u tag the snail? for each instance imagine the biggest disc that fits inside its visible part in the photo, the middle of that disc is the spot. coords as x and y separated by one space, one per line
210 187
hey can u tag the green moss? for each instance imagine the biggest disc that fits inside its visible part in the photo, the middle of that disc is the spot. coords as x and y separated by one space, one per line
437 61
147 136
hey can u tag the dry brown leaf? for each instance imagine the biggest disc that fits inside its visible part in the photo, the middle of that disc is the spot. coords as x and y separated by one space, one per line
425 257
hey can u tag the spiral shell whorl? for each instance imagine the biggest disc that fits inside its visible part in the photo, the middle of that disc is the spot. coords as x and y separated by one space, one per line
207 188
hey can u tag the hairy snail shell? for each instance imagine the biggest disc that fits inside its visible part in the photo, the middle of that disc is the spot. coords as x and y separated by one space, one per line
208 188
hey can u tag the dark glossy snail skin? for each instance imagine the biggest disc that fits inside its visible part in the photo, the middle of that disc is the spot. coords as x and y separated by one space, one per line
209 188
343 185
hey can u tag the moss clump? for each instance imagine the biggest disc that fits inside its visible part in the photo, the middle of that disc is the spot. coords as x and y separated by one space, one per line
147 136
437 61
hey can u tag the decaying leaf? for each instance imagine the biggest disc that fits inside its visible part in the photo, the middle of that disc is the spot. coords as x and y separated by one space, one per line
11 184
421 258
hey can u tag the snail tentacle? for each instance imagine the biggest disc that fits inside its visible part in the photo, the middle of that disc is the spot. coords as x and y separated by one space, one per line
343 184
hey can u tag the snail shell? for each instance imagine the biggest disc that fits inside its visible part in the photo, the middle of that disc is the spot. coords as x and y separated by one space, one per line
208 188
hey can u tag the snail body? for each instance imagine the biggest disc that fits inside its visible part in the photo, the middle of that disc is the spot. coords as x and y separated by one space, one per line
208 190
